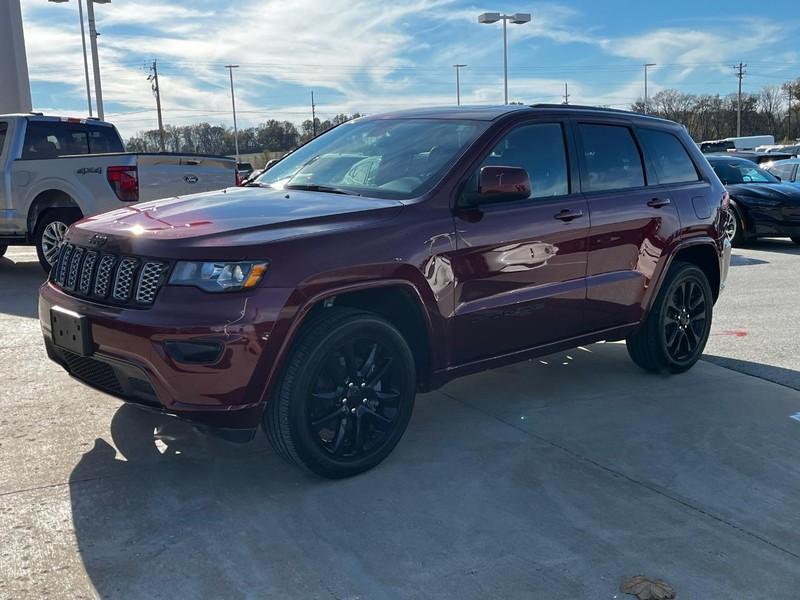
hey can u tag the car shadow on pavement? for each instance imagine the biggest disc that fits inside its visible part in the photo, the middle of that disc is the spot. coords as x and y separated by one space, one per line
781 245
19 287
738 260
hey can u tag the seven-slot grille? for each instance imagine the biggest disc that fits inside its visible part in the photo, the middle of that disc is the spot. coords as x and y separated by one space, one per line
108 278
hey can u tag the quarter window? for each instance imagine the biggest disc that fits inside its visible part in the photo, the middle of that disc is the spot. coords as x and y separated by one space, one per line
612 158
668 156
537 148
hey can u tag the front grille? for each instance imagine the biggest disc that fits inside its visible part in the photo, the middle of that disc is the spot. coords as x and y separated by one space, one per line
108 278
93 372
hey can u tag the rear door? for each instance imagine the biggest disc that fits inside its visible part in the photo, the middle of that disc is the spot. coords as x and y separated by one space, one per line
520 266
633 220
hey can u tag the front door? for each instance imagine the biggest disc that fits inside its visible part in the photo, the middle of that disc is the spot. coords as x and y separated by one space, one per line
520 266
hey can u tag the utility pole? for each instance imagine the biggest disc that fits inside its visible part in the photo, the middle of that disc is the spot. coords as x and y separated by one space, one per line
739 75
98 90
157 91
458 83
233 106
646 65
566 93
313 116
85 61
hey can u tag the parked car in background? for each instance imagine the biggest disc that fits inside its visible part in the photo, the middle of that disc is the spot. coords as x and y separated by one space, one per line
390 255
788 171
748 142
761 205
759 158
55 171
793 149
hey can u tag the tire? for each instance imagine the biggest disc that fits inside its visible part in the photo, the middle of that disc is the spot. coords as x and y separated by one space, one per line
49 233
3 248
671 340
734 229
321 417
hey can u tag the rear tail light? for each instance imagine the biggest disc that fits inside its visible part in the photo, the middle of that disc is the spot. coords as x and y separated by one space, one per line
125 182
239 179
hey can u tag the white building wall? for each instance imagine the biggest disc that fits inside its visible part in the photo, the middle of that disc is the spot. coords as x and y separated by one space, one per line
15 88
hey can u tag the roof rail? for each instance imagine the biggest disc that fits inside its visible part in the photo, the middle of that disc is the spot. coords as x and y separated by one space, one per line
584 107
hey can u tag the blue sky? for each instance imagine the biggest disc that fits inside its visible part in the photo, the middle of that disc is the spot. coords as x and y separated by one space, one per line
371 56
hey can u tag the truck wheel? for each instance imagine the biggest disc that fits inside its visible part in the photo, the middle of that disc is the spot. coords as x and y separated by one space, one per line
50 231
346 394
675 332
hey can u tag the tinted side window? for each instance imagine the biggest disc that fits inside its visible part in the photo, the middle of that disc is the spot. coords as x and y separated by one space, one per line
540 150
612 158
667 154
48 139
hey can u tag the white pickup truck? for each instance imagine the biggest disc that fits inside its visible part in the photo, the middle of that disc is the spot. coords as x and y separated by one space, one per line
55 171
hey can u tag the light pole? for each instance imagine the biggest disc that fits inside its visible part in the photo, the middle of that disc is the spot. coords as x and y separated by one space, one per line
517 19
458 83
645 83
233 106
98 90
83 46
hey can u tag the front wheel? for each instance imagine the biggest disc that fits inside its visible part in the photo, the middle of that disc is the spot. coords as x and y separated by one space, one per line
346 394
50 232
676 330
734 230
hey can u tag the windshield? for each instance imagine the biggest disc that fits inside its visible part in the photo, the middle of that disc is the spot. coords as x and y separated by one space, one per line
392 158
734 172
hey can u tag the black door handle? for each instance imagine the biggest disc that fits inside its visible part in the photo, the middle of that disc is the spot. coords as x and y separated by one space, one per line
658 202
568 215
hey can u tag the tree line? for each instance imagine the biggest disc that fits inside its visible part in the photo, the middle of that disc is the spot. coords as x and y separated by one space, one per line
711 117
204 138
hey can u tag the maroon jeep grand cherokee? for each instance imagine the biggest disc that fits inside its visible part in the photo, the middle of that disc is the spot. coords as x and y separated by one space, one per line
388 256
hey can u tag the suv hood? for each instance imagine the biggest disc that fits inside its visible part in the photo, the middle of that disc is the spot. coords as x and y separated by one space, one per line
785 193
244 215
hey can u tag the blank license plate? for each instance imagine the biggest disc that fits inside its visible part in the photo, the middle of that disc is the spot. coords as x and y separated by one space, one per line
71 331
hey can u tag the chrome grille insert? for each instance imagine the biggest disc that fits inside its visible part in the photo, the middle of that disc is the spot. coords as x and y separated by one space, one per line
149 281
63 264
74 267
124 280
87 271
103 278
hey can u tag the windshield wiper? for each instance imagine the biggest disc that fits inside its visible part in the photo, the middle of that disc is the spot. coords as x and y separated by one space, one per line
313 187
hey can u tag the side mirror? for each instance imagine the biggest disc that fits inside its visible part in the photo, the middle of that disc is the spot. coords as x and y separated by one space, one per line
496 183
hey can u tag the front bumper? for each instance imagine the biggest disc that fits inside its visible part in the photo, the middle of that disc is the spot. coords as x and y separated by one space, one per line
130 359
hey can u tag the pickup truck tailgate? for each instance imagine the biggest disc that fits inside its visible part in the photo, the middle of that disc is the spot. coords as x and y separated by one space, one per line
163 175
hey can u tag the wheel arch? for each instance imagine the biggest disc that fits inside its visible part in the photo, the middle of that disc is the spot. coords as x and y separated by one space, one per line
46 200
397 300
702 253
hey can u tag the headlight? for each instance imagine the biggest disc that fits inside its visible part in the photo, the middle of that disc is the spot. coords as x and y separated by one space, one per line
218 276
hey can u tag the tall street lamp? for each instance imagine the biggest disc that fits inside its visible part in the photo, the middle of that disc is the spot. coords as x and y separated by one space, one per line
517 19
458 83
645 84
83 46
233 106
98 91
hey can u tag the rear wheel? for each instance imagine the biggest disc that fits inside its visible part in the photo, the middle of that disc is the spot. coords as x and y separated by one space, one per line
676 330
346 395
50 231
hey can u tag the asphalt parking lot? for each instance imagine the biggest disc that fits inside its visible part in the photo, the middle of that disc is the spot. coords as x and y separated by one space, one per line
548 479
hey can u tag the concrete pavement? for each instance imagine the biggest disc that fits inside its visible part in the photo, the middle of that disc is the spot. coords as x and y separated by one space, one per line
547 479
